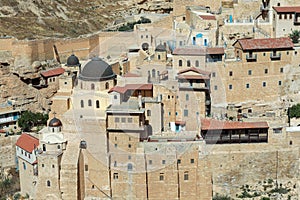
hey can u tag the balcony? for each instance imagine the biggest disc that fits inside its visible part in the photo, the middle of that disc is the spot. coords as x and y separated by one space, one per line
275 56
251 57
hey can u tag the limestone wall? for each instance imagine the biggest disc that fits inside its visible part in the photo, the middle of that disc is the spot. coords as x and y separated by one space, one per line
8 151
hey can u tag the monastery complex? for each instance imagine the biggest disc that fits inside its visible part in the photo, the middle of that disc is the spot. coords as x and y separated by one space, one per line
188 107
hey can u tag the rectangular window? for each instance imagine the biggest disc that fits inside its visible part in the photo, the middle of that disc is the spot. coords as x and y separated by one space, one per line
186 176
230 87
249 72
129 120
123 119
192 160
281 70
230 73
216 87
214 74
129 146
280 17
266 71
264 84
86 167
279 83
187 97
186 113
247 85
161 176
150 162
178 161
163 162
116 176
117 119
264 54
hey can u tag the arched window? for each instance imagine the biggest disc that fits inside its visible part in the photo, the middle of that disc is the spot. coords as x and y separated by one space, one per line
180 63
48 183
153 73
106 85
186 176
24 165
115 97
148 112
92 86
97 104
81 103
188 63
58 146
197 63
158 57
129 167
89 102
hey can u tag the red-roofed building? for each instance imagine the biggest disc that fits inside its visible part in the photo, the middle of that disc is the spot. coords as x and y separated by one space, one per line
50 76
207 17
218 132
286 18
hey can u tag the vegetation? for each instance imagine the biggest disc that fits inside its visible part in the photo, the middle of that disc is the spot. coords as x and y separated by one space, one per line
294 111
221 197
28 120
295 35
129 26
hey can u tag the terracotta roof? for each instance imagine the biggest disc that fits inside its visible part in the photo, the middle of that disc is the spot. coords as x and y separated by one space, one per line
190 51
290 9
208 17
182 123
131 87
27 142
212 124
53 72
266 43
129 74
215 50
194 77
194 69
2 131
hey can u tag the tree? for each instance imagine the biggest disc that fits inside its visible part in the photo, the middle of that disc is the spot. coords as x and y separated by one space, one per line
295 35
29 119
221 197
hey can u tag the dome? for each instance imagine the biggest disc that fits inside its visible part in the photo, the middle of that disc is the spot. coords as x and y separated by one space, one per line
96 70
72 61
55 122
145 46
160 47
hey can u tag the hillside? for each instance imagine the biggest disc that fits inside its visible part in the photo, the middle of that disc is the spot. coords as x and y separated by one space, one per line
62 18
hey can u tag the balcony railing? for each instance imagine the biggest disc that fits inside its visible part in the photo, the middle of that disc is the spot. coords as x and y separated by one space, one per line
275 56
251 57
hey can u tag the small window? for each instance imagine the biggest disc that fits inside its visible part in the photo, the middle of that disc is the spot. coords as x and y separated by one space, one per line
82 104
230 87
142 36
296 52
188 63
197 63
115 97
230 73
129 138
117 119
123 119
89 102
287 53
86 168
129 120
192 160
178 161
214 74
129 146
92 86
186 113
161 176
264 84
116 176
264 54
163 162
24 165
150 162
280 17
58 146
216 87
266 71
43 165
106 85
291 16
158 57
116 138
97 104
247 85
115 164
249 72
129 157
186 176
279 83
129 167
169 113
66 83
48 183
187 97
285 16
176 113
146 36
148 112
180 63
116 145
183 18
53 166
281 70
249 110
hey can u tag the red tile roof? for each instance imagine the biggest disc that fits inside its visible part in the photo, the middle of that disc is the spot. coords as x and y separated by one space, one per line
131 87
194 77
212 124
287 9
194 69
27 142
208 17
266 43
215 50
182 123
53 72
129 74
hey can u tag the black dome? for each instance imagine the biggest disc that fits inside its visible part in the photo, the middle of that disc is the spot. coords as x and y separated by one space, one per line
55 122
145 46
160 47
96 70
72 61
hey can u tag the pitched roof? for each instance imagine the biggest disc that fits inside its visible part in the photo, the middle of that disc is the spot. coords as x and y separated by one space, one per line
212 124
265 43
27 142
53 72
287 9
215 50
190 51
208 17
194 77
131 87
194 69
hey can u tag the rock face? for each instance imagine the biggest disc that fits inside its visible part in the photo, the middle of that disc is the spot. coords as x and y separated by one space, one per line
49 18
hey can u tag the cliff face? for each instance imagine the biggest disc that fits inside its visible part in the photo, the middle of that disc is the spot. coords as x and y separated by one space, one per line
64 18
